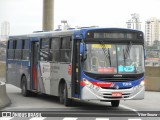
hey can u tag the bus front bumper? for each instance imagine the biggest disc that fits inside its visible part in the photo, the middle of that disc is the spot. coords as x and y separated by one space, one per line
134 93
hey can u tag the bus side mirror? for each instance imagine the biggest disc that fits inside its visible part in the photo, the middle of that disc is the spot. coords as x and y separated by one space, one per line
82 49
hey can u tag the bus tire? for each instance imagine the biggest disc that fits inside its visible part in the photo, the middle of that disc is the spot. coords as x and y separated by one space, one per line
115 103
24 90
61 92
67 101
63 95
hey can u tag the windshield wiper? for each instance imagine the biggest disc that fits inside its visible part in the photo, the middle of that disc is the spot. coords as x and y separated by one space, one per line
126 52
124 58
106 52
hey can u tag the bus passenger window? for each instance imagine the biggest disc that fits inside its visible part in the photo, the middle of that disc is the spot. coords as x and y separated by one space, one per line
25 49
10 44
55 43
45 43
54 54
44 51
10 50
18 47
66 49
14 47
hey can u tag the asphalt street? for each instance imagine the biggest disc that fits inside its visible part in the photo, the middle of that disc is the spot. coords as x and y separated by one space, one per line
150 103
50 105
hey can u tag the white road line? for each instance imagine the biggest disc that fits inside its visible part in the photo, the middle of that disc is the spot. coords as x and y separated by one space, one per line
38 118
6 118
102 118
128 108
134 119
70 118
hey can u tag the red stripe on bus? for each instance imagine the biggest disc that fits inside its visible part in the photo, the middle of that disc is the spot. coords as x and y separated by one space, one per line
35 77
69 69
82 83
100 84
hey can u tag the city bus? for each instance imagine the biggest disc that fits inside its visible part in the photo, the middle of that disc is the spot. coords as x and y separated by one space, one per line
88 64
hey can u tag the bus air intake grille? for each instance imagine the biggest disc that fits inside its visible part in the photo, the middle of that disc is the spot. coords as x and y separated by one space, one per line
115 88
109 95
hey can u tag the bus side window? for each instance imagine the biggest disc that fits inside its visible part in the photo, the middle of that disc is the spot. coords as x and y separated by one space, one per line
25 49
10 50
18 48
14 47
66 49
44 49
54 55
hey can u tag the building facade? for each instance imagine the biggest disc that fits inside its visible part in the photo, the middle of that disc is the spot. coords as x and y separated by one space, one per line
152 31
5 30
134 22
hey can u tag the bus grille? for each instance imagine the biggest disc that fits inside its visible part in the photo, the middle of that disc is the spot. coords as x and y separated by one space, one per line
109 95
115 88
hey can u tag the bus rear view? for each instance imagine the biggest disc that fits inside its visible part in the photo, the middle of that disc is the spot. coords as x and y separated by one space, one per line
112 65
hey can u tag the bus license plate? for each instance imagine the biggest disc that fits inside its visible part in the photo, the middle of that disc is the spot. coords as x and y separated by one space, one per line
116 94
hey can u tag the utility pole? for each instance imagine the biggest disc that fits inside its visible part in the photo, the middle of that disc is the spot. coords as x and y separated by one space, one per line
48 15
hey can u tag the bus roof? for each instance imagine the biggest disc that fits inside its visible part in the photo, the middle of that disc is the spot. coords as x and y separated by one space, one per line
78 33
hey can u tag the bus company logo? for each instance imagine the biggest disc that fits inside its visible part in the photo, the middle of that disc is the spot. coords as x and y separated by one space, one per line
44 69
113 85
117 87
118 76
127 84
6 114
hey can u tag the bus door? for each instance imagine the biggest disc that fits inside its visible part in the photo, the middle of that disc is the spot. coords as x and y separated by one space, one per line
34 65
76 70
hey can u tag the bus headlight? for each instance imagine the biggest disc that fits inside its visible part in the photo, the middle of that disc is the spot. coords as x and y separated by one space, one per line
142 83
90 85
86 82
97 88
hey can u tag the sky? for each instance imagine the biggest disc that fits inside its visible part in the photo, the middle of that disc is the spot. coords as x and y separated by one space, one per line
25 16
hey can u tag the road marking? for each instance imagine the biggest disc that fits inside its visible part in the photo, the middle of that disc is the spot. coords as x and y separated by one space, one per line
134 119
6 118
70 118
128 108
38 118
102 118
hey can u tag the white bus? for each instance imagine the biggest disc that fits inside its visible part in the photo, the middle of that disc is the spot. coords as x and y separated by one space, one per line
103 64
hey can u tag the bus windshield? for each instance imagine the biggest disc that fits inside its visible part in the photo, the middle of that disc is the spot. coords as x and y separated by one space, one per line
114 59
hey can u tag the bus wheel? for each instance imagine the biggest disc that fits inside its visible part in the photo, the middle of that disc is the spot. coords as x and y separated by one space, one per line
24 90
115 103
67 101
63 95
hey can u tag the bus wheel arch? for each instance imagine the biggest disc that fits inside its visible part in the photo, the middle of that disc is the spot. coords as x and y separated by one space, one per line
60 87
23 75
63 93
24 90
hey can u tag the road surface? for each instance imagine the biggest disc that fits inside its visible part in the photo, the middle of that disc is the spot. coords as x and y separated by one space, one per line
52 106
150 103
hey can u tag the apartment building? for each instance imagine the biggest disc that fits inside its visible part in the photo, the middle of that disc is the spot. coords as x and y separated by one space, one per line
152 31
134 22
